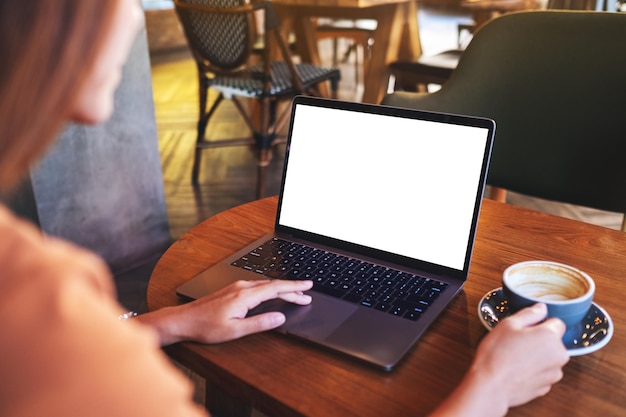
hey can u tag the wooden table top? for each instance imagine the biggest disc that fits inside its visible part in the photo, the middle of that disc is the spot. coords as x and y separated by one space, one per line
501 5
282 376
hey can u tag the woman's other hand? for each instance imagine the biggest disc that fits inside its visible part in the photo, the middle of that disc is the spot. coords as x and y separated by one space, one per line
518 361
222 316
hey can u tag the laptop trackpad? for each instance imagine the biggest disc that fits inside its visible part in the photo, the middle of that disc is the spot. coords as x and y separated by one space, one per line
315 321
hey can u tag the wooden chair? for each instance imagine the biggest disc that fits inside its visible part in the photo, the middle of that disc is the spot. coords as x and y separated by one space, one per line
221 35
551 81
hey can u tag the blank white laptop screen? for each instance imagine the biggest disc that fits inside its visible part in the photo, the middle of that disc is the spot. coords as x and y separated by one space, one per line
395 184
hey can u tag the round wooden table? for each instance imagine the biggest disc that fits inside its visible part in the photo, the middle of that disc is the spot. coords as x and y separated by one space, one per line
282 376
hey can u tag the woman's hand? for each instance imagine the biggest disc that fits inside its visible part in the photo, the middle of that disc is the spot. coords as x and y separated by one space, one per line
518 361
221 316
523 356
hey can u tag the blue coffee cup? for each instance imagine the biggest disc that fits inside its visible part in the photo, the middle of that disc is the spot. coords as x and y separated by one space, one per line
566 291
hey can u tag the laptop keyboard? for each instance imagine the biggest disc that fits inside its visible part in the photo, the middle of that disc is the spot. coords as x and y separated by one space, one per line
396 292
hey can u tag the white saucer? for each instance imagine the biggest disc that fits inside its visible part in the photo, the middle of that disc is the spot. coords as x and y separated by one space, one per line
591 334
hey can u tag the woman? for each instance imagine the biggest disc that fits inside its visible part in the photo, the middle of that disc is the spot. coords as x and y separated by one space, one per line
62 351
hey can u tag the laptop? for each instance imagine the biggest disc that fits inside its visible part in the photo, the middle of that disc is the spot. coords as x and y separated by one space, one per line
379 207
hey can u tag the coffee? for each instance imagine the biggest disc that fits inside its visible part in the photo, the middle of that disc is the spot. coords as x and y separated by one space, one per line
547 282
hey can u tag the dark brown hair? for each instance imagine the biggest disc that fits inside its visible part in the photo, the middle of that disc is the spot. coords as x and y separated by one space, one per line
47 48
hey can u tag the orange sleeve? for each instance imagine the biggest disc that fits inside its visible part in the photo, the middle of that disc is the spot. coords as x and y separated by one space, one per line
62 350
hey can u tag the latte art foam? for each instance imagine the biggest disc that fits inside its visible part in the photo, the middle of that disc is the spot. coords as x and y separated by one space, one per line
548 282
548 291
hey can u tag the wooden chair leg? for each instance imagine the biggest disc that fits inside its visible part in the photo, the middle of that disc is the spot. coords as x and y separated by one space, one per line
195 171
201 128
203 121
335 52
265 156
498 194
624 224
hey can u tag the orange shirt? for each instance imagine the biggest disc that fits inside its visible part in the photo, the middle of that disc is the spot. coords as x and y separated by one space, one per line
63 352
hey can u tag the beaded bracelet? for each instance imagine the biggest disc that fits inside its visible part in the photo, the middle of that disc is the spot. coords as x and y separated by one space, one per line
127 316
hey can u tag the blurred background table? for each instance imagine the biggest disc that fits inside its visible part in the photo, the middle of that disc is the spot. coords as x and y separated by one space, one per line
484 10
396 34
